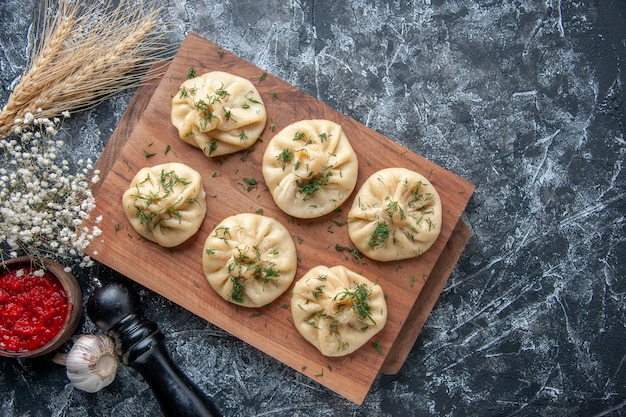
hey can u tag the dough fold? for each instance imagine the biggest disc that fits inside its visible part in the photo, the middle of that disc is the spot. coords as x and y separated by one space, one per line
249 259
310 168
218 112
395 215
165 203
337 310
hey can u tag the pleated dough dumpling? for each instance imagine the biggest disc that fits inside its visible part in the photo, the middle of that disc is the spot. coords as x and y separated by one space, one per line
249 259
395 215
218 112
166 203
337 310
310 168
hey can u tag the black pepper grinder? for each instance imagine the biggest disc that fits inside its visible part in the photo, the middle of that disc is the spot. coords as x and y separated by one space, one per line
114 308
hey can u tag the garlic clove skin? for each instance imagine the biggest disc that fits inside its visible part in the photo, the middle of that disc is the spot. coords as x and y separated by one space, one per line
92 362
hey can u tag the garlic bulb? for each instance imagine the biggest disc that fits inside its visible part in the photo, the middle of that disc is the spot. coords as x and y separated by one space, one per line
92 362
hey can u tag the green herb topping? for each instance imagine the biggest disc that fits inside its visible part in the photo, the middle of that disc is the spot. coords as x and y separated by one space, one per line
246 264
358 301
166 184
206 106
379 236
285 157
312 183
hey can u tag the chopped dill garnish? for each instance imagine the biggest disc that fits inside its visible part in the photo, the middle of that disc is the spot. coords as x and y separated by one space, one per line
353 251
245 264
379 236
165 186
285 157
359 301
237 292
212 147
313 183
252 183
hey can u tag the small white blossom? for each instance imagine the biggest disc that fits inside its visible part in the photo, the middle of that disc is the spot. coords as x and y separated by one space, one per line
42 204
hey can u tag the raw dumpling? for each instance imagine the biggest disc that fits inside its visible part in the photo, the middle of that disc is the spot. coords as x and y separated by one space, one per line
219 113
337 310
166 203
310 168
249 259
395 215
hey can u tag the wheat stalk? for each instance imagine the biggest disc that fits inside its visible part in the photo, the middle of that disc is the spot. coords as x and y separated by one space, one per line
84 57
51 45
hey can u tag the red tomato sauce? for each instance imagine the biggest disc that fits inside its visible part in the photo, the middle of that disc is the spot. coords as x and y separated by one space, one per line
32 309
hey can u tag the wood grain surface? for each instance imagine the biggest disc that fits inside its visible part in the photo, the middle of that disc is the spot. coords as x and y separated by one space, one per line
411 286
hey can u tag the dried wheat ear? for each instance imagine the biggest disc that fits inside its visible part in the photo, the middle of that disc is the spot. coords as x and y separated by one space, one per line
84 55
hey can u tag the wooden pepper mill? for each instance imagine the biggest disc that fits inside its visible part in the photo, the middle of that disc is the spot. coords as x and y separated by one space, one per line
114 308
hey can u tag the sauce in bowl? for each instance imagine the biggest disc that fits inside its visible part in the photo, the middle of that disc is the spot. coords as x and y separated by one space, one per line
33 308
40 306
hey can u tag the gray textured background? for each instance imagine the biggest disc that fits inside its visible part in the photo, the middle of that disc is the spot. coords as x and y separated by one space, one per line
522 98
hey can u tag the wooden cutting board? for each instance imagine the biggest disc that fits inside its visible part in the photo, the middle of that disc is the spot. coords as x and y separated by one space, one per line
411 286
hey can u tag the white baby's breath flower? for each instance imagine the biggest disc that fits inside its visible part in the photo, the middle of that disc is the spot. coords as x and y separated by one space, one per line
42 203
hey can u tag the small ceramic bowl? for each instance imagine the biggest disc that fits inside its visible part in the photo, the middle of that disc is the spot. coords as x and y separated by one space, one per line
74 304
